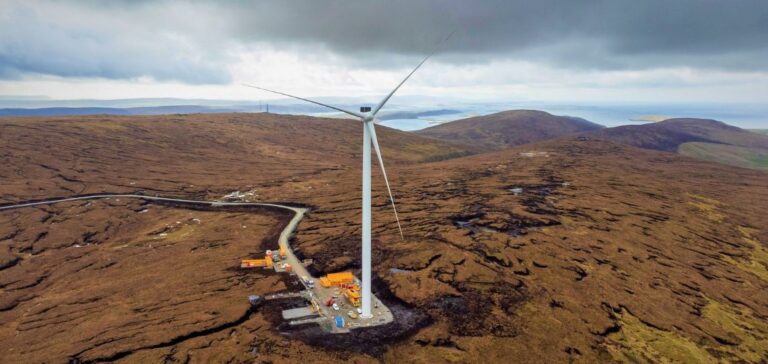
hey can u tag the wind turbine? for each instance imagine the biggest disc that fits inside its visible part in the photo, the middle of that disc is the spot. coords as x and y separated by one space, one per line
367 118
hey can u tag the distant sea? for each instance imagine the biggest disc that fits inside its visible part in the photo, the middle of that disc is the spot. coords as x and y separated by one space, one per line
405 113
747 116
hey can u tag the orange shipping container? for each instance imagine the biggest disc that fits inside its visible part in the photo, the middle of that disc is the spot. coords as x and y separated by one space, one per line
252 263
340 278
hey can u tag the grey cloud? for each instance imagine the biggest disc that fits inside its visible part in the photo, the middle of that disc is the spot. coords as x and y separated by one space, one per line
188 41
33 43
592 33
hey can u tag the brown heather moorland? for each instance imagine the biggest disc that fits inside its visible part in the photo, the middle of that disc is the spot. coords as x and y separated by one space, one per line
570 249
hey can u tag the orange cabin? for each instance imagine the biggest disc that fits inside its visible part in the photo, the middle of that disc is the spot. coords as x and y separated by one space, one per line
252 263
340 278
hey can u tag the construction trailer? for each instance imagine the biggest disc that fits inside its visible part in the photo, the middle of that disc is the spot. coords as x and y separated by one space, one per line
253 263
256 263
337 279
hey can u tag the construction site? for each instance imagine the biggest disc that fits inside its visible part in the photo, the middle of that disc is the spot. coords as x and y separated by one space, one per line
332 301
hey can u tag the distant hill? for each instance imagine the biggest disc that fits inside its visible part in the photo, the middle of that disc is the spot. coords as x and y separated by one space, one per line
508 128
291 143
699 138
651 118
279 108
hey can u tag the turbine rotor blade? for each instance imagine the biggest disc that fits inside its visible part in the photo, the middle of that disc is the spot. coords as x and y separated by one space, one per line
308 100
375 142
434 50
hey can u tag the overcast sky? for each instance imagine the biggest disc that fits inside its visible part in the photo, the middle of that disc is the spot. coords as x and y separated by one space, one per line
582 51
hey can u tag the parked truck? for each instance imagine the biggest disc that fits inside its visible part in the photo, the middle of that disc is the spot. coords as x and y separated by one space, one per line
309 282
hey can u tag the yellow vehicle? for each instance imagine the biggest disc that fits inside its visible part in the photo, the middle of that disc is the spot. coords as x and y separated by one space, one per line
353 296
352 293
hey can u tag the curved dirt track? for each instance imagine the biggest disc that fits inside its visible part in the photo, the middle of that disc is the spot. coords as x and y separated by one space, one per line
54 200
286 228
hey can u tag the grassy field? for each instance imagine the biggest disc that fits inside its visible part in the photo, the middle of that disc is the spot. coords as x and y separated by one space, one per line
755 158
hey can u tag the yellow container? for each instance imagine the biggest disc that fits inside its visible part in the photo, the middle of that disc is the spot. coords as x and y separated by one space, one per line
252 263
340 278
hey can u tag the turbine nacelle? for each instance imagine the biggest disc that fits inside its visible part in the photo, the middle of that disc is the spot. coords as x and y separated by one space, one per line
367 115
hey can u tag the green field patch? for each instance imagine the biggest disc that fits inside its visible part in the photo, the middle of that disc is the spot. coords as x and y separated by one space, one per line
638 342
757 263
706 205
754 158
741 323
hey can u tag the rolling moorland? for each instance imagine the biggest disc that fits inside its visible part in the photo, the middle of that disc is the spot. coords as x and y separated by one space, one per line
609 252
508 128
698 138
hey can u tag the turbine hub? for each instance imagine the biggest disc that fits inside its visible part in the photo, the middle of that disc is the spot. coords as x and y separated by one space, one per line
366 110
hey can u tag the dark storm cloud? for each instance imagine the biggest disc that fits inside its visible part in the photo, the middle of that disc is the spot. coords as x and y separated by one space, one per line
594 34
189 41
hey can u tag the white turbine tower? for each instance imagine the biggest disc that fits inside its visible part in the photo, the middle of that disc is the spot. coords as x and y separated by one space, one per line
367 117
